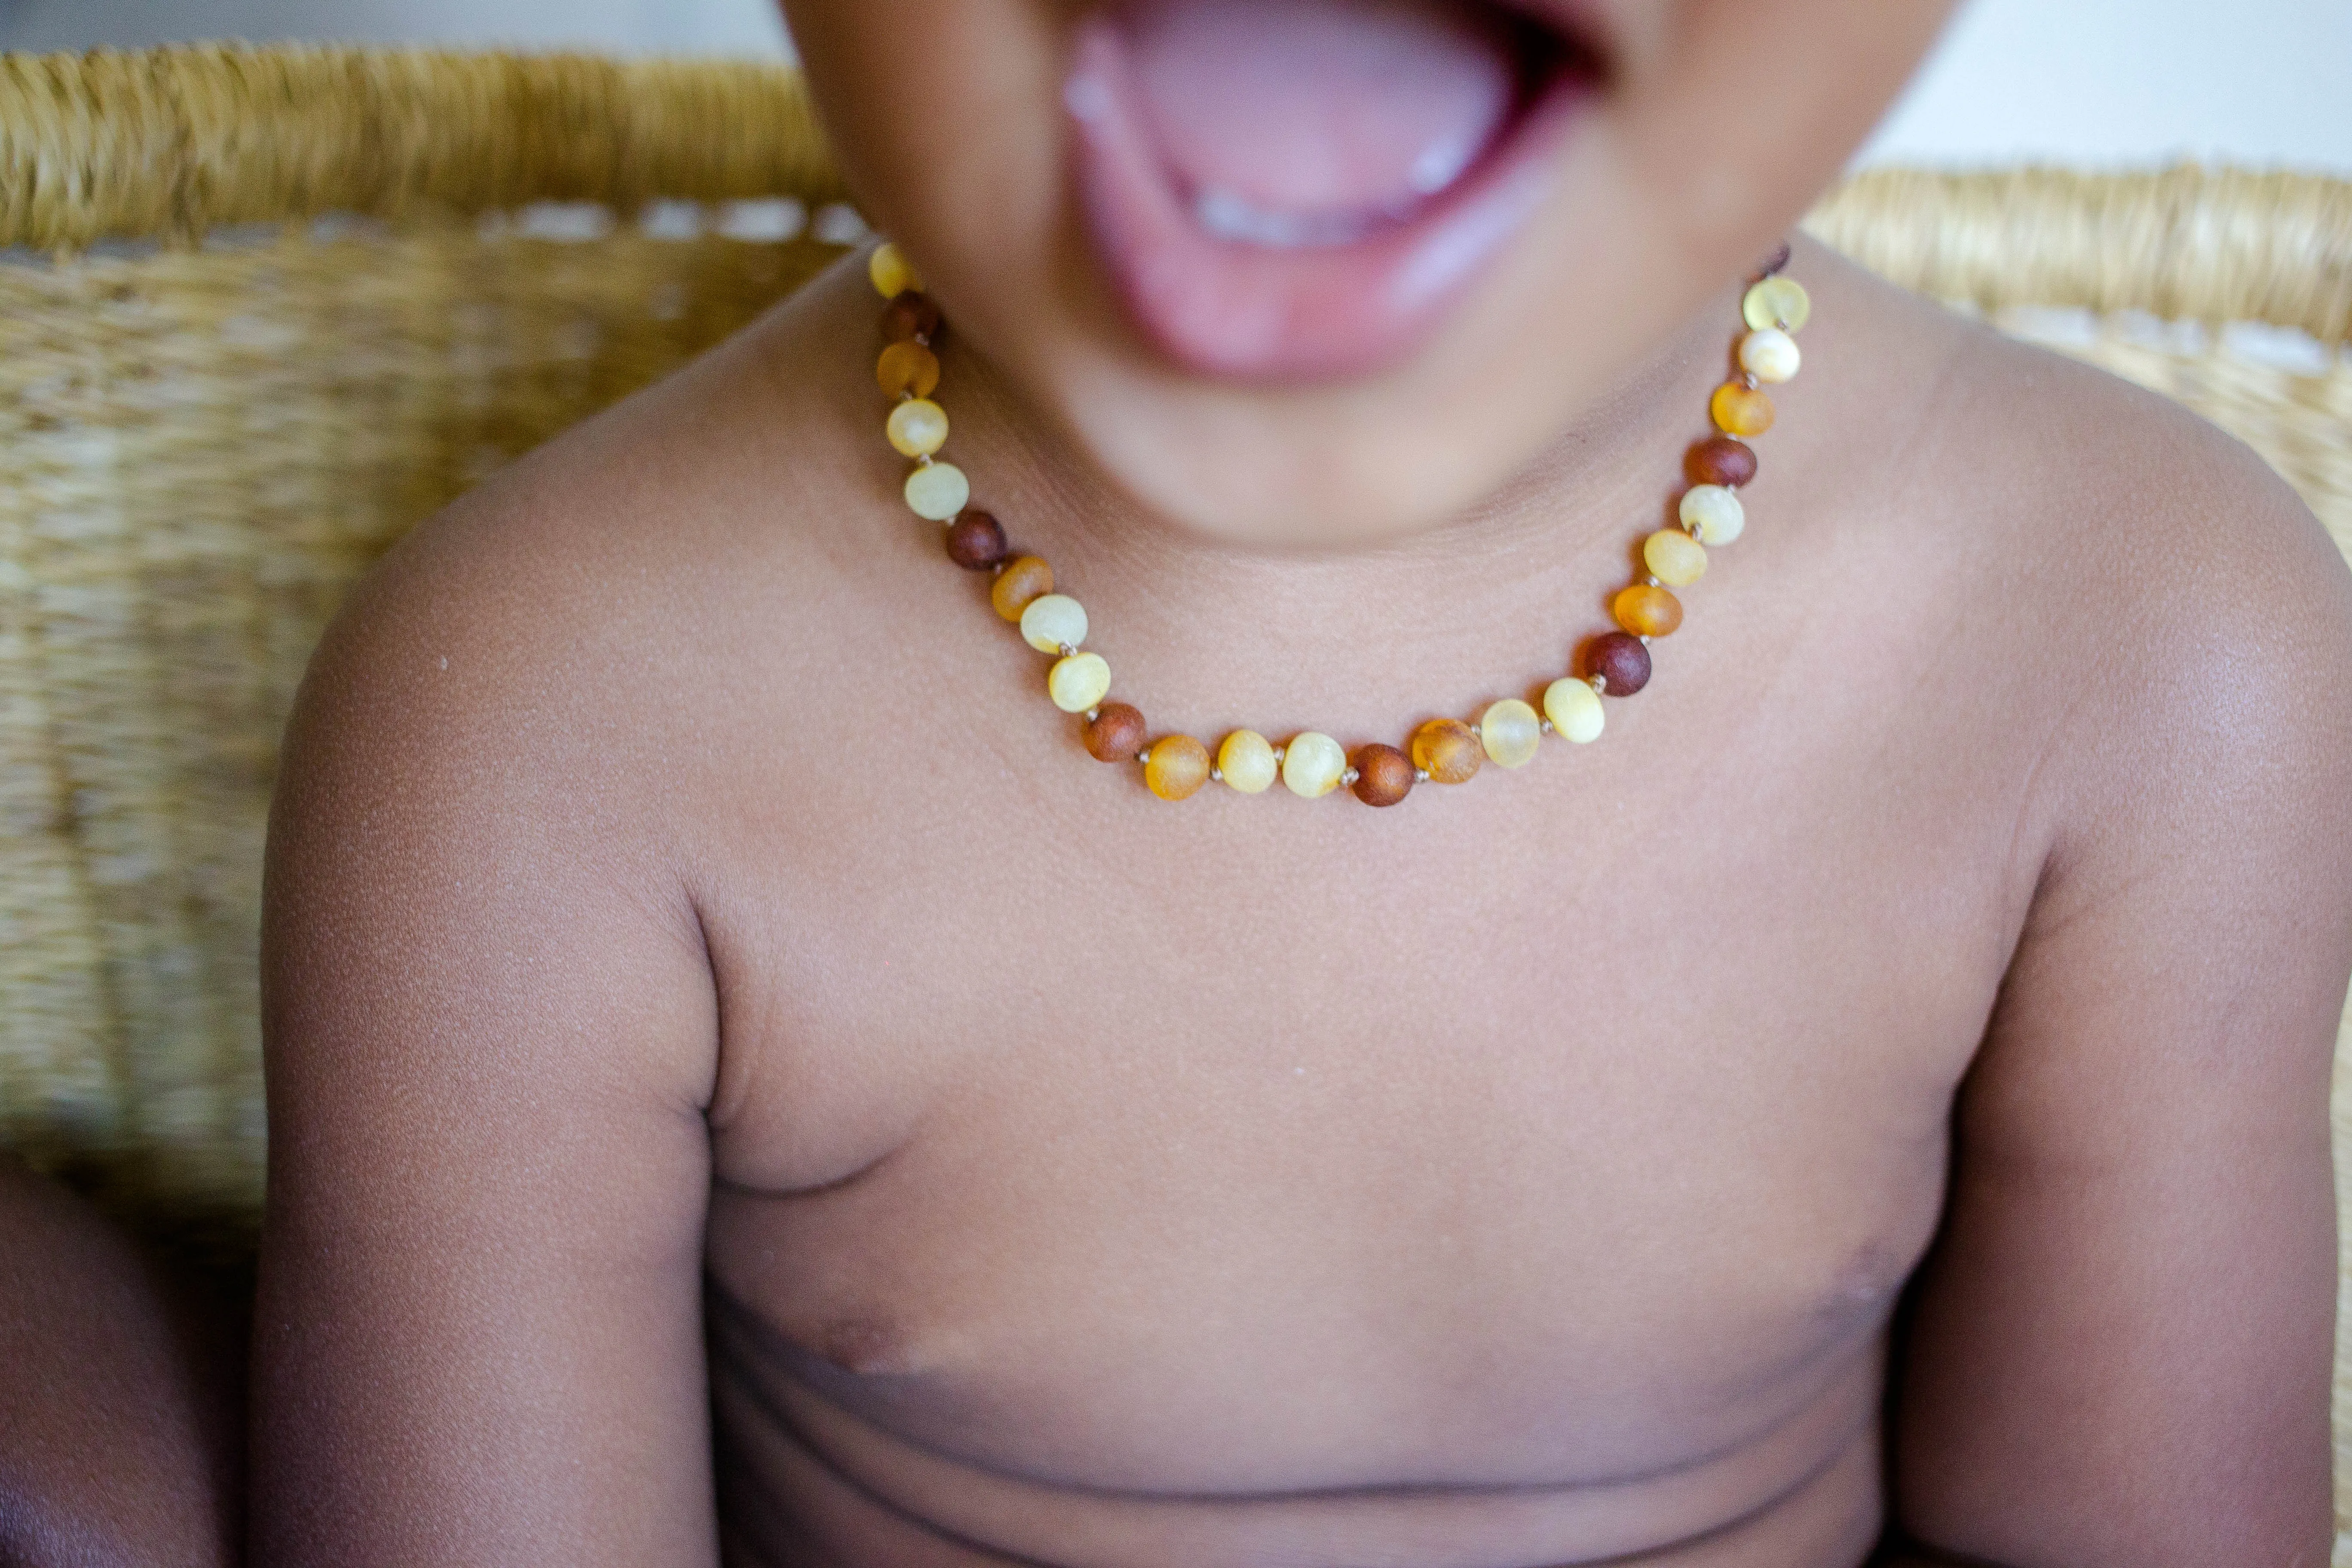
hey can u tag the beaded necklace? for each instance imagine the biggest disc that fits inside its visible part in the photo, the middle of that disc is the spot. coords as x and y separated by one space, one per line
1508 733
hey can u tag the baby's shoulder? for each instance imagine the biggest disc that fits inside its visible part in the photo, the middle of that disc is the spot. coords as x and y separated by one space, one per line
632 577
2170 590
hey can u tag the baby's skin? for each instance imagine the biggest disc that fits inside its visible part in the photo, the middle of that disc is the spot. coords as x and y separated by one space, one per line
746 1085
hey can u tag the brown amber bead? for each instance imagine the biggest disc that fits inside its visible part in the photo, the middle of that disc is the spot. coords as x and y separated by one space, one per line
1176 767
1115 735
907 370
1027 578
1741 410
908 317
975 541
1383 775
1722 461
1447 752
1622 661
1647 611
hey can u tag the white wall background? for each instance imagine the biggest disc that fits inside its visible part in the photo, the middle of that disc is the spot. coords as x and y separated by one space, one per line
2082 81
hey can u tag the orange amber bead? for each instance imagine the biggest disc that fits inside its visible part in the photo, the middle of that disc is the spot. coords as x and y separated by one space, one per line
1446 751
907 370
1176 766
1742 410
1025 579
1648 612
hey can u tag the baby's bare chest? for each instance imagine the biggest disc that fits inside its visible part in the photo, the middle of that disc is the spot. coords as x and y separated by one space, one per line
1546 1145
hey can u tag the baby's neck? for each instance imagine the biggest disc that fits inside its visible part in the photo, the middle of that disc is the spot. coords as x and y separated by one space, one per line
1227 626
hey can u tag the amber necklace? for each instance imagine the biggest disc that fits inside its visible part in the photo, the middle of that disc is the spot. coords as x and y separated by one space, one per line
1509 733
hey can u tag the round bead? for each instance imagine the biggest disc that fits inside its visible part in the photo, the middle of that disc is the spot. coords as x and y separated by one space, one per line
1778 301
1176 766
975 541
1712 513
908 369
1115 733
1246 761
1078 682
1052 622
1312 764
1647 612
1511 733
1770 355
1446 751
1621 661
1741 410
918 427
1383 775
1574 708
1026 578
910 316
1674 557
892 273
938 491
1720 460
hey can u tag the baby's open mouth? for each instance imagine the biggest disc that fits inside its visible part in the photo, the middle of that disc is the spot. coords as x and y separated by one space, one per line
1290 188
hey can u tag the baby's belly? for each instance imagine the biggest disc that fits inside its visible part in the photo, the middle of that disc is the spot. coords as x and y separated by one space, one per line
815 1473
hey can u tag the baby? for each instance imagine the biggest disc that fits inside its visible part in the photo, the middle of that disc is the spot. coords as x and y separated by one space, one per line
748 1085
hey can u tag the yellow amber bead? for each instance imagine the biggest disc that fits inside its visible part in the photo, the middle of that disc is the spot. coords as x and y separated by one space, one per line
1078 682
1446 751
918 427
1313 765
1246 761
1770 355
892 273
1778 301
1647 612
938 491
1712 513
1674 557
1574 709
1022 582
1741 410
1511 733
1176 766
1052 622
907 368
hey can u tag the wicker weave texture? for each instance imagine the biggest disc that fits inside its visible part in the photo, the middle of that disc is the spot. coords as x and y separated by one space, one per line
202 447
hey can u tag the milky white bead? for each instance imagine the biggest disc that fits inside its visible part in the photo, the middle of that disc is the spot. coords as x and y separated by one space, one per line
1312 764
1713 513
1777 301
918 427
1246 761
938 491
1770 355
1511 733
1574 709
892 273
1054 622
1078 682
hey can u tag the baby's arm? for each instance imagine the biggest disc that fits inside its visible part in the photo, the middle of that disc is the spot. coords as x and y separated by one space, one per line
2122 1341
491 1033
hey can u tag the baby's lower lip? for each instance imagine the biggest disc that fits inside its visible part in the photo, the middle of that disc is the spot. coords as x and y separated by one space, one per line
1237 290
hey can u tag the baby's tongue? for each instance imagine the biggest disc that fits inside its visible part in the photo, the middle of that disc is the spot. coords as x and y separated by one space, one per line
1306 122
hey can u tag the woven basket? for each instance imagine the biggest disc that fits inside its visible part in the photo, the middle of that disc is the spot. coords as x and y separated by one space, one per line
291 311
